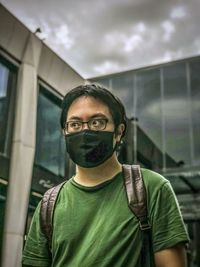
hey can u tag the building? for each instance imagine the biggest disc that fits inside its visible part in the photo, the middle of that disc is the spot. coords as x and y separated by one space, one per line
163 104
32 81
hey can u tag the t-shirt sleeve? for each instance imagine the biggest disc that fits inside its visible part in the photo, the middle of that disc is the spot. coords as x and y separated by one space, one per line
36 251
168 228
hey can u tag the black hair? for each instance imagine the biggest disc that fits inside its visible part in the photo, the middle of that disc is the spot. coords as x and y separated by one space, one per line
113 103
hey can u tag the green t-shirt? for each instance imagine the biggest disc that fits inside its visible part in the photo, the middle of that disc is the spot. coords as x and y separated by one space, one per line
94 227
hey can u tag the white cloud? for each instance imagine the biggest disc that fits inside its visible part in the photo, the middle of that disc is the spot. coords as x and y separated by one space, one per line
169 29
112 39
178 12
167 56
197 45
132 43
141 27
63 37
106 67
135 40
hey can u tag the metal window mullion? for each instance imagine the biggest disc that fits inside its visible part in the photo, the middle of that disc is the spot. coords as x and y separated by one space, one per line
135 124
163 119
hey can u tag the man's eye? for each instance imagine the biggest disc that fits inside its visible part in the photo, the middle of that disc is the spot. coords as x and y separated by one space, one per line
97 123
74 124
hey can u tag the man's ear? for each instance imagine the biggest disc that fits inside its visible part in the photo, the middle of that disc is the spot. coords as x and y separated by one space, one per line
119 132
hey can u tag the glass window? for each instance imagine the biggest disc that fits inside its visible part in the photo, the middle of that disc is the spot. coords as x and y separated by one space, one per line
195 108
7 95
176 115
178 184
4 72
50 145
8 74
103 82
148 115
122 87
4 105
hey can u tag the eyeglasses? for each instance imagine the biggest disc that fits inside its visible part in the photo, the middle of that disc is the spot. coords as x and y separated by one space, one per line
77 126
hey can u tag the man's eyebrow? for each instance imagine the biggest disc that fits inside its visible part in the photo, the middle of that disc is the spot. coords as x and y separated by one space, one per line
96 115
75 118
99 114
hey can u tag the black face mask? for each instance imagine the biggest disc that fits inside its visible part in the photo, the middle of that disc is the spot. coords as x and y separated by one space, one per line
90 148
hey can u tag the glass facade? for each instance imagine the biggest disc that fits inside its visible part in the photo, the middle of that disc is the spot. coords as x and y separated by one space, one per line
163 104
122 87
176 114
7 92
4 73
164 100
195 109
8 74
148 113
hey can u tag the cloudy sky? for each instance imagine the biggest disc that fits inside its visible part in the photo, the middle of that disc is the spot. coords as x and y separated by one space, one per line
98 37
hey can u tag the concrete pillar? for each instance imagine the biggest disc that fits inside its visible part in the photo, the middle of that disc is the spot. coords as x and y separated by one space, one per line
23 151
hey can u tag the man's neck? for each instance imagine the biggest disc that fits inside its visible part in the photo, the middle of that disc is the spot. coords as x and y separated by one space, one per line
99 174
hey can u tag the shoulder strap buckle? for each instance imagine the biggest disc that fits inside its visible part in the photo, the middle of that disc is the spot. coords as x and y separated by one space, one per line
144 225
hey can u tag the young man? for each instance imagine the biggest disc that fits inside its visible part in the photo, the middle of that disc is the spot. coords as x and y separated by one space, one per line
92 224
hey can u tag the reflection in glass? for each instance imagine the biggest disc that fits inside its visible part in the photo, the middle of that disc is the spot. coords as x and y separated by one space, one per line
103 82
195 108
4 102
176 114
3 80
148 109
50 146
164 102
122 87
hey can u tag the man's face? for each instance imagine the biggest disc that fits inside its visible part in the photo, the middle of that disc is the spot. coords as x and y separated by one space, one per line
86 108
90 148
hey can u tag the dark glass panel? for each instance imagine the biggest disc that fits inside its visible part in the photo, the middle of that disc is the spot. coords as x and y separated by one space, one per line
7 97
195 108
103 82
122 87
176 115
148 113
50 145
4 105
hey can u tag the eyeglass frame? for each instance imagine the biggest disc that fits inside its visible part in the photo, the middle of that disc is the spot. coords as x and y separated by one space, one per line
65 130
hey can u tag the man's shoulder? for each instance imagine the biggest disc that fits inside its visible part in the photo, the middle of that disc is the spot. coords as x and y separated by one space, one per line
153 180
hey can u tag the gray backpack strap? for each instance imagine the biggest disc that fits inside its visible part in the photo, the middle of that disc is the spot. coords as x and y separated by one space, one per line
136 194
47 209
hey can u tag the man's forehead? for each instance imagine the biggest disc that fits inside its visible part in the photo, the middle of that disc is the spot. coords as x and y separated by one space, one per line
87 105
88 101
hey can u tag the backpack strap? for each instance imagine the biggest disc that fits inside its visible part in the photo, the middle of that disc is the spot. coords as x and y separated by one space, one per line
47 209
136 194
137 202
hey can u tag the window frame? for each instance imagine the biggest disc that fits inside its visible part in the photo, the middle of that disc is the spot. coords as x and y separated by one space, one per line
42 178
10 116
